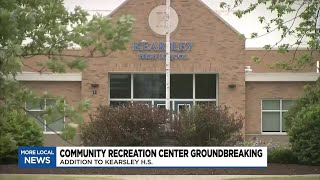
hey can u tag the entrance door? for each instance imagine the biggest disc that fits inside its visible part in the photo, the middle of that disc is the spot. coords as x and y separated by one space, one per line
182 105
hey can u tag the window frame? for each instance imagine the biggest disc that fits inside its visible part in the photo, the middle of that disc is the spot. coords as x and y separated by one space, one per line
133 86
195 85
161 105
45 122
280 111
188 107
192 86
109 84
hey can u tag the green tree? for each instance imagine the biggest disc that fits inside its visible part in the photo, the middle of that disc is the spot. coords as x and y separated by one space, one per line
294 18
30 28
311 97
16 129
303 118
303 122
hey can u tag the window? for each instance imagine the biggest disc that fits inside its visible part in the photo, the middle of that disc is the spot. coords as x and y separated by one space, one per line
151 89
181 86
118 103
206 103
162 106
35 111
273 113
205 86
149 86
159 104
183 107
146 103
120 86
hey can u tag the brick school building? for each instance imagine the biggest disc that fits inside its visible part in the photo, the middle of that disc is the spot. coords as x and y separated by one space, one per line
210 64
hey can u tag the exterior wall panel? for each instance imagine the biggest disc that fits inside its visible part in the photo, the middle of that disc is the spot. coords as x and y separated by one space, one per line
256 91
216 49
71 91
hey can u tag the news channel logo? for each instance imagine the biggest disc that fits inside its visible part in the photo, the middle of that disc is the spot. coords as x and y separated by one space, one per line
37 157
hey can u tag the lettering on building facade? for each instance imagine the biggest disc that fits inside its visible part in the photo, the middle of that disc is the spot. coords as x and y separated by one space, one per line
178 50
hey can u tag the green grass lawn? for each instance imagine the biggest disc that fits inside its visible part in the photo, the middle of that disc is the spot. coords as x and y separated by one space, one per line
75 177
281 178
44 177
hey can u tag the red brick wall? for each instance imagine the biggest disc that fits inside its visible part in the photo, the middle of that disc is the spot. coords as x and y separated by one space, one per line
216 49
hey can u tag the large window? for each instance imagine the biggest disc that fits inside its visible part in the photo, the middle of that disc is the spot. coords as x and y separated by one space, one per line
181 86
205 86
273 113
149 86
36 110
151 89
120 86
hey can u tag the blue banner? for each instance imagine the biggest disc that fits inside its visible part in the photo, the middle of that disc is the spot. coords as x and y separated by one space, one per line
37 157
142 157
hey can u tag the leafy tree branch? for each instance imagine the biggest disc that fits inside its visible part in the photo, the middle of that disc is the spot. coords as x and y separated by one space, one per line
45 28
303 17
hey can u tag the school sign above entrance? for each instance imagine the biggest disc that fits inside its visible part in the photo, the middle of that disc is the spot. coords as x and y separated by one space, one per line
156 50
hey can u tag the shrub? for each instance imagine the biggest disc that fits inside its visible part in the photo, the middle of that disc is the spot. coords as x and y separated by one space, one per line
303 123
207 126
276 153
304 135
282 155
311 96
256 142
16 129
127 125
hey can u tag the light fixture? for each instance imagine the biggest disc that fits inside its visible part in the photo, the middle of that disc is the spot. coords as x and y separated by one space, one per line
248 69
232 86
94 88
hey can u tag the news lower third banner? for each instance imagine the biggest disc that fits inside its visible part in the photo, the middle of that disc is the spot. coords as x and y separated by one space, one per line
142 157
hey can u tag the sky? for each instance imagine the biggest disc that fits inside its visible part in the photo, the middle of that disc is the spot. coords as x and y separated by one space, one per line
246 25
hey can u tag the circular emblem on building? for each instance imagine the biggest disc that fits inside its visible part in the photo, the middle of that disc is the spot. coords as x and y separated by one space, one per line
157 20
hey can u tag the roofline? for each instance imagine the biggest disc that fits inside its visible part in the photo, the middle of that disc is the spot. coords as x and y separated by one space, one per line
220 18
48 76
214 13
117 9
282 77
